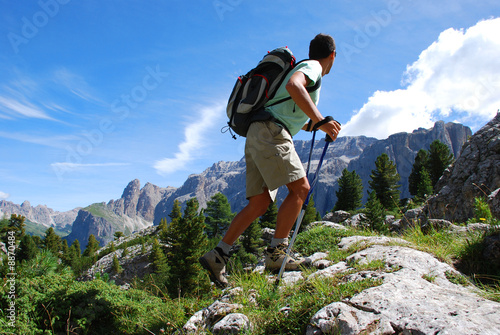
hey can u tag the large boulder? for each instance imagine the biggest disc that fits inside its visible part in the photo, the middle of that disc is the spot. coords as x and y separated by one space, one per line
476 173
422 296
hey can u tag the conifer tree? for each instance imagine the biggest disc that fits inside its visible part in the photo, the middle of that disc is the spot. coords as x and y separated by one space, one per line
251 238
375 213
92 247
118 234
176 210
186 242
268 220
424 187
158 258
310 215
16 224
116 267
125 251
350 191
76 250
65 252
384 181
440 158
27 249
218 215
414 179
52 241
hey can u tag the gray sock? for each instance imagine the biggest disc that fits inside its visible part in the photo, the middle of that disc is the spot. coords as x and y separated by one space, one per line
225 247
277 241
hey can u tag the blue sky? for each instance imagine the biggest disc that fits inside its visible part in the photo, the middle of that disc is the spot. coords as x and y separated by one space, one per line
94 94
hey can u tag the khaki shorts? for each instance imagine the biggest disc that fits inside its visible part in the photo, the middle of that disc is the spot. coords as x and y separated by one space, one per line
271 159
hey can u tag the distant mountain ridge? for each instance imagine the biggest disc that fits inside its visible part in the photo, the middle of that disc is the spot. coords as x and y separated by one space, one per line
40 214
139 208
133 211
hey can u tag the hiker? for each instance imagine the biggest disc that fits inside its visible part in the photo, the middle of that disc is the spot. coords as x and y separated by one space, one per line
271 161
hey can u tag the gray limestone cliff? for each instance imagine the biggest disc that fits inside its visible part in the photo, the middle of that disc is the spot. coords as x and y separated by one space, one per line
476 173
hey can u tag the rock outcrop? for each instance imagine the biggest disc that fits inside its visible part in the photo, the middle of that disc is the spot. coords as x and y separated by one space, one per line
476 173
417 294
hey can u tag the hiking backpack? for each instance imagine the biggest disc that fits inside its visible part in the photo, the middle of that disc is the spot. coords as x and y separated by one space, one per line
254 89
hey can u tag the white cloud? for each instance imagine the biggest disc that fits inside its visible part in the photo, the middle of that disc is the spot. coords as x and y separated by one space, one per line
16 108
4 195
194 140
455 78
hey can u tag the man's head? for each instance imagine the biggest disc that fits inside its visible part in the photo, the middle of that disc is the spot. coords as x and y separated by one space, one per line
321 46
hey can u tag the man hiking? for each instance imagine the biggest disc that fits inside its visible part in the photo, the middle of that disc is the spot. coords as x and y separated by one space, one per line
271 161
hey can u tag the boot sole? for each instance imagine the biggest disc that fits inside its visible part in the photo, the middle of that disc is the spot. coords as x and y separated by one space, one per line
211 274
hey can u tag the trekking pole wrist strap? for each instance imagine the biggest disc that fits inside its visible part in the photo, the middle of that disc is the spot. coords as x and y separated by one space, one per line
322 122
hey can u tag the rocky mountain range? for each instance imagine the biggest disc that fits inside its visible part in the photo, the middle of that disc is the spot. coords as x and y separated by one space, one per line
139 208
40 214
133 211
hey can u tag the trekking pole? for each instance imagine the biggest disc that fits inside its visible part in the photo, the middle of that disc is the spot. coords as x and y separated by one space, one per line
328 139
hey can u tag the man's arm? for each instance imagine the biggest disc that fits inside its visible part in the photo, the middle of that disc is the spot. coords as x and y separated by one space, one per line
296 87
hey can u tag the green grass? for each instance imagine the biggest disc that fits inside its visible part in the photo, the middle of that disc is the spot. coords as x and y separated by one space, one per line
55 302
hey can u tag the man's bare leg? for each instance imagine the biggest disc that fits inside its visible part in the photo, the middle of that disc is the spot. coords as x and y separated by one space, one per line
256 207
291 206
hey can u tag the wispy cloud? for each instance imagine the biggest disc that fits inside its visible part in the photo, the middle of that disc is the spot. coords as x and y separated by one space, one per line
4 195
457 77
74 166
76 84
194 140
13 108
49 141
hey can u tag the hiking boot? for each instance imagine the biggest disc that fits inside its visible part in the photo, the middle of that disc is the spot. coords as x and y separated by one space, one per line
214 262
275 257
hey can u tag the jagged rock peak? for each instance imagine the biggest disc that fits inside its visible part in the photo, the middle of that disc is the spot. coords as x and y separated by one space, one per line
132 188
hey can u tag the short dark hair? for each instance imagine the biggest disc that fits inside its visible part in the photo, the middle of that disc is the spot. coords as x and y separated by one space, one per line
321 46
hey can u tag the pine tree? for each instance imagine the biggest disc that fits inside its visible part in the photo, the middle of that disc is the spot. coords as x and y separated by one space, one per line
158 258
414 179
176 212
350 191
92 247
116 267
15 224
440 158
75 256
375 213
186 240
384 181
27 249
52 241
118 235
251 238
218 215
310 215
268 220
65 253
424 187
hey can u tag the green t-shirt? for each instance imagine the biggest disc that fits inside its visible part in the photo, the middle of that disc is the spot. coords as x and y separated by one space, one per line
288 112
